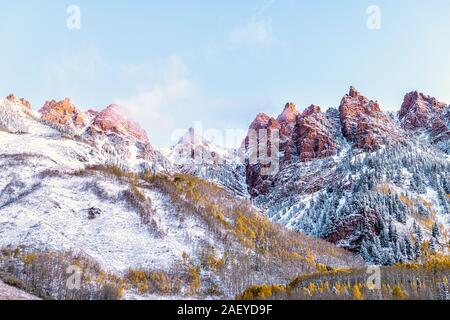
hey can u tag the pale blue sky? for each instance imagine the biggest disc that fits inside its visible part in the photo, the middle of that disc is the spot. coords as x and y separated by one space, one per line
222 62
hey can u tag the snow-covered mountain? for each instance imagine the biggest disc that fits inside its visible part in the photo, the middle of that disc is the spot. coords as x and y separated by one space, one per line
355 174
92 184
422 114
372 182
199 157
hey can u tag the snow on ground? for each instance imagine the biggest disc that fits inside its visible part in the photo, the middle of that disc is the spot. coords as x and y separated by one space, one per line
68 154
47 210
55 217
11 293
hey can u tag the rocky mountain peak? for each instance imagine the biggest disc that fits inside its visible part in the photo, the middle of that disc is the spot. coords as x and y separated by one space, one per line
25 103
113 120
289 114
426 113
364 124
419 110
314 136
63 113
353 93
261 121
312 109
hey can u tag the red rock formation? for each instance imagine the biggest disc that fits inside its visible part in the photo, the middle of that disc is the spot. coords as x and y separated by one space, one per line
289 114
312 134
312 109
26 105
62 113
364 124
314 139
422 112
418 111
112 120
357 227
258 184
287 121
305 136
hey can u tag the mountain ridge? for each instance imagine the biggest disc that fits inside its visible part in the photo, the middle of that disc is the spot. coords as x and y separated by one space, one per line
322 155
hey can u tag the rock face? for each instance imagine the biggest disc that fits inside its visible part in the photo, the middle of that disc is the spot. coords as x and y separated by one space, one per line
289 114
23 102
63 113
315 135
364 124
113 121
302 137
327 189
356 228
15 115
420 112
260 130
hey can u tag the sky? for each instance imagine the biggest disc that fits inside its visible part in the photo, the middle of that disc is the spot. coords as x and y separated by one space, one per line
176 63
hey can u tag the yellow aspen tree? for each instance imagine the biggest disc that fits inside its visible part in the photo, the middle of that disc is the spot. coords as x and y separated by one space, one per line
357 295
398 293
312 288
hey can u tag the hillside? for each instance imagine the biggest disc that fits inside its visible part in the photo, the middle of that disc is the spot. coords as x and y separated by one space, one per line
372 182
133 220
87 189
10 293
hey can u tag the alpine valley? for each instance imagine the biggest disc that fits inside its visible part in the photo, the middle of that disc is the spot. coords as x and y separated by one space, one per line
84 193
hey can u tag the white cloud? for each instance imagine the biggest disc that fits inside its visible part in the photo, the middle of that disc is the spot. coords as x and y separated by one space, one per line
266 5
66 75
155 105
254 32
257 31
68 66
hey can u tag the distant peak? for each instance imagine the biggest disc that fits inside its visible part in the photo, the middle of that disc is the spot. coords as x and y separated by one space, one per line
261 118
49 105
62 113
114 119
189 137
114 107
26 106
418 110
353 92
22 101
11 97
290 106
290 113
312 109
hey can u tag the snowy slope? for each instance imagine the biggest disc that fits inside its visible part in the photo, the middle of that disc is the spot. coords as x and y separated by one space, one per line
55 215
11 293
199 157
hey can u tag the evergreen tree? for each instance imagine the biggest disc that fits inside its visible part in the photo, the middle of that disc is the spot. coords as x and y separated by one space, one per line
392 232
376 251
444 295
418 232
418 249
433 245
436 232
